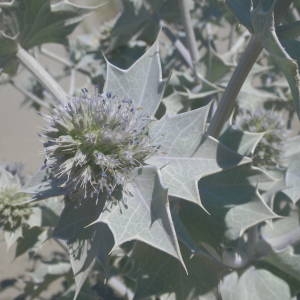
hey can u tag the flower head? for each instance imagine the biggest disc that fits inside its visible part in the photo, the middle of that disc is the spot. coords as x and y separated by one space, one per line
13 210
94 142
268 150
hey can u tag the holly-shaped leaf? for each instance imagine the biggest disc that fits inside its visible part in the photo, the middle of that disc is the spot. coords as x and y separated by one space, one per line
282 232
242 142
241 217
142 82
185 154
157 274
95 242
221 193
146 216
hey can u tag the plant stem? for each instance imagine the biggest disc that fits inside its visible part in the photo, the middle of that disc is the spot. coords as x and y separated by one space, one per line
190 35
42 75
57 58
239 76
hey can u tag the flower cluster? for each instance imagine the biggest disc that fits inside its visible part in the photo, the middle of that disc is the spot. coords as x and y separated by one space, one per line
268 151
13 209
94 142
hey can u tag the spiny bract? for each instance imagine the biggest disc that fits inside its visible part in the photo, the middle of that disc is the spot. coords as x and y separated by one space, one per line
94 142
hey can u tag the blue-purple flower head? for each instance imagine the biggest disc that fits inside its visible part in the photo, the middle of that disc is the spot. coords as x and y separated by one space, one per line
94 142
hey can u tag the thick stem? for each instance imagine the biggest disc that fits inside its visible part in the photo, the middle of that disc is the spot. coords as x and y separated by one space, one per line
190 35
233 88
42 75
240 74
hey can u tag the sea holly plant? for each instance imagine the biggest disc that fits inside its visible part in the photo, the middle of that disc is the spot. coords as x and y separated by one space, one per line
171 165
111 156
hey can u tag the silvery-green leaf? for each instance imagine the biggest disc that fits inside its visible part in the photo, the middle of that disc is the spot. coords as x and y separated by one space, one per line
241 217
282 232
292 179
242 142
263 23
292 149
176 103
185 155
86 249
254 284
287 261
74 218
146 217
220 193
142 82
158 273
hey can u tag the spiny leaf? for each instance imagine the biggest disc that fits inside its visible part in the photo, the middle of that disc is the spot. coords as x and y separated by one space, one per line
185 155
255 284
147 216
142 82
84 244
239 141
282 232
244 216
86 249
74 218
221 193
161 274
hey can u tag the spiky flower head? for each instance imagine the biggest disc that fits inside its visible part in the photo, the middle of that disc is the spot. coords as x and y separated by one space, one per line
94 142
268 150
13 208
